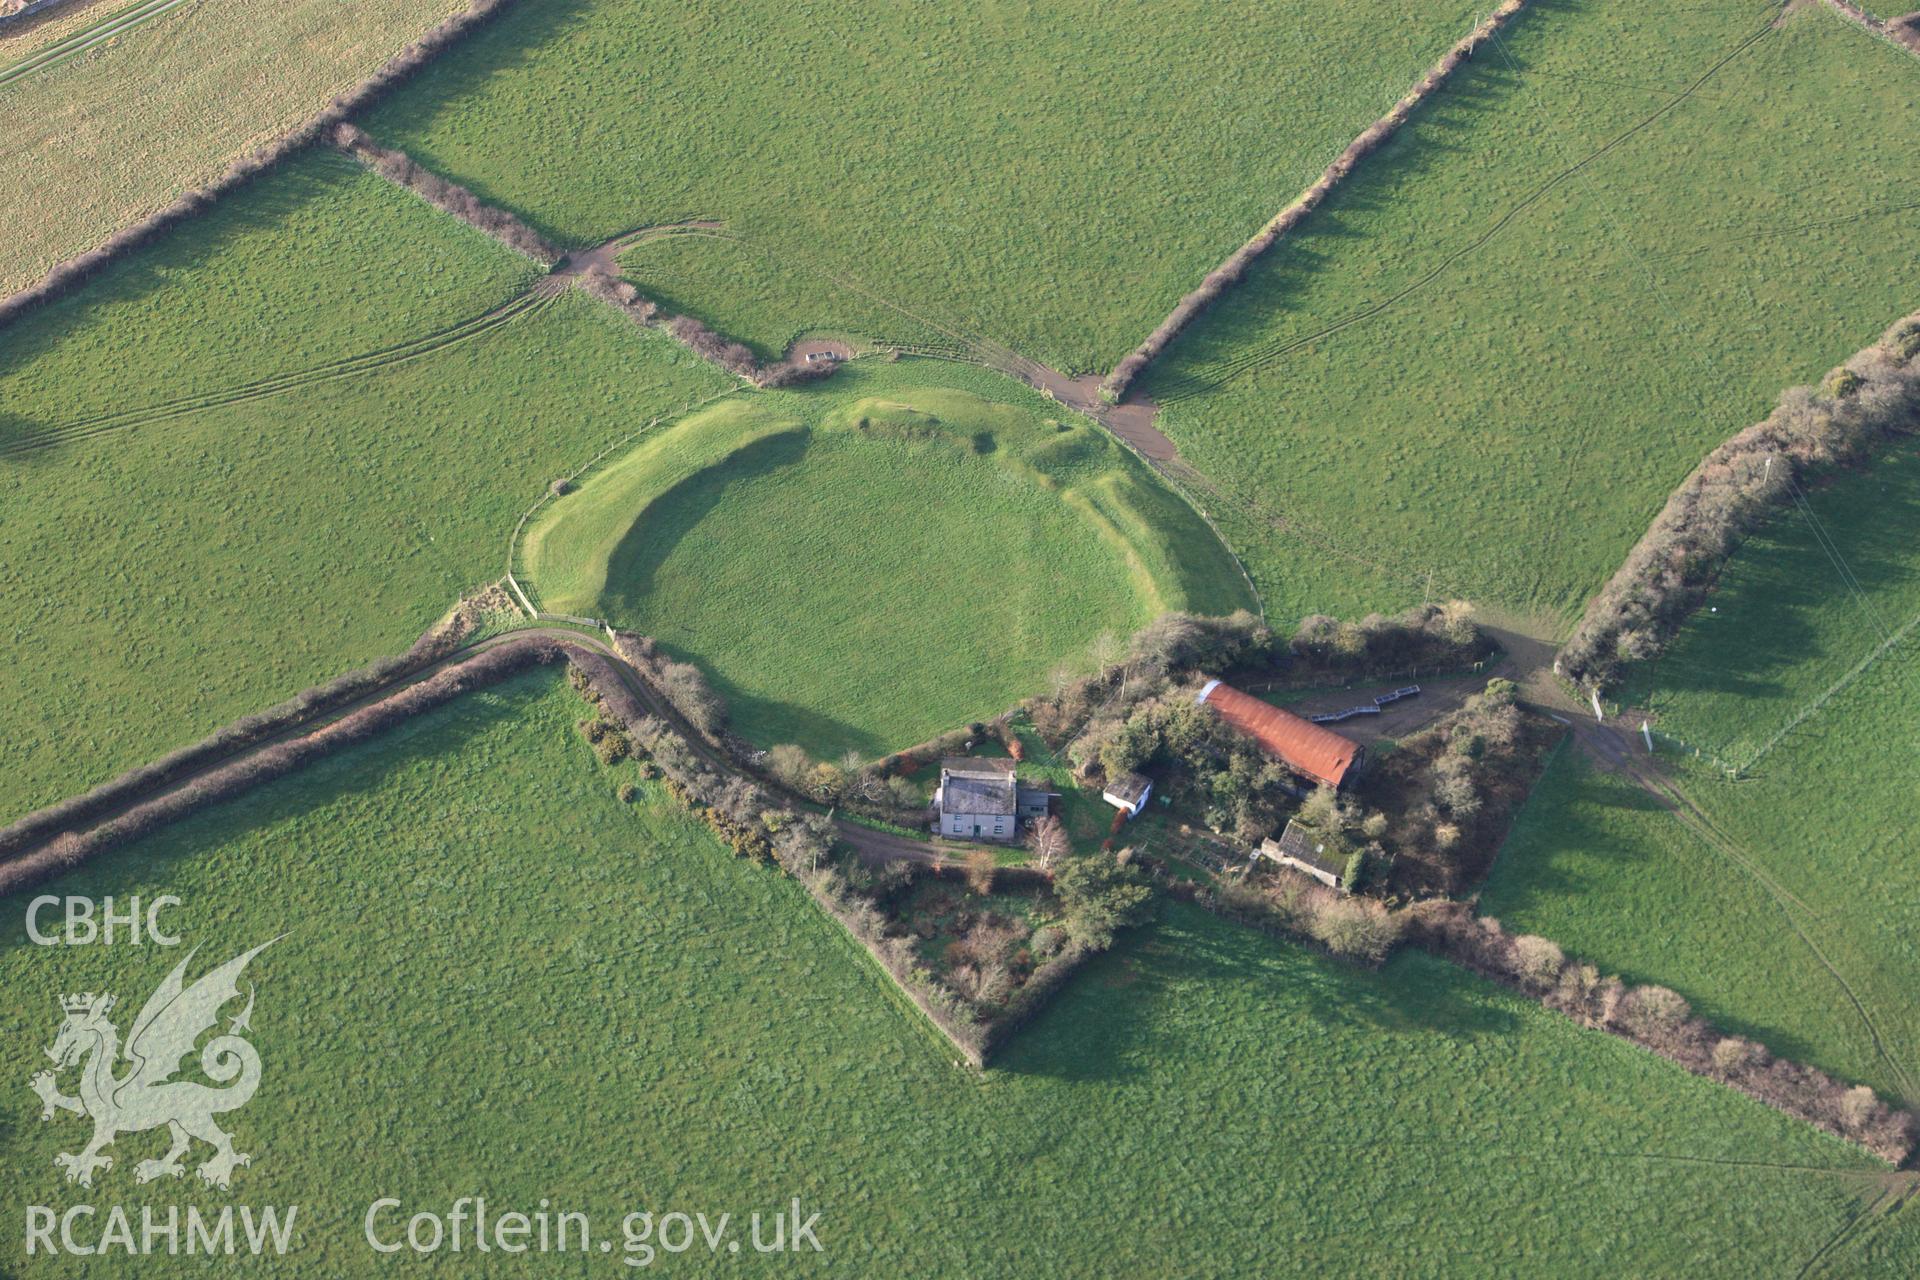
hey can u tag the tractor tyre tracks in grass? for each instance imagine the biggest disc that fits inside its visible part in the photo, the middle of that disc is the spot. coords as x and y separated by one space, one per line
1186 386
1872 1216
80 41
1882 1194
526 303
1604 746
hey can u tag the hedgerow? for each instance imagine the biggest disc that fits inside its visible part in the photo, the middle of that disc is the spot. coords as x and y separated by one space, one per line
1872 398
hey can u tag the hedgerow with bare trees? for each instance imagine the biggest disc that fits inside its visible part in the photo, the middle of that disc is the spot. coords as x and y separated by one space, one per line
435 644
277 760
1235 268
990 995
1660 1020
735 357
1871 399
399 168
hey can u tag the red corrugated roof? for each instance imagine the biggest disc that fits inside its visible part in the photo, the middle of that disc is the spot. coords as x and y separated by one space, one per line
1320 754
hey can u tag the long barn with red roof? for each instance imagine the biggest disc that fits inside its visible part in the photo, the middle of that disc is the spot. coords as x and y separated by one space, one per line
1316 754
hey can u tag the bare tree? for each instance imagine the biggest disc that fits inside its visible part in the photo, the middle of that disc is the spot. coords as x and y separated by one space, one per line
1047 840
980 869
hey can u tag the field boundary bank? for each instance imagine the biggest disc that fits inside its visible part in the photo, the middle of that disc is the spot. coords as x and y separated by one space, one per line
1640 1016
589 268
1896 33
1234 268
705 781
437 645
714 794
448 196
213 781
69 272
1247 358
1861 407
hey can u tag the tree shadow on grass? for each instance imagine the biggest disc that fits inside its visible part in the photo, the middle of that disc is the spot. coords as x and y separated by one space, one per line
14 427
157 863
508 41
1442 129
1531 874
1104 1023
1760 619
767 721
179 252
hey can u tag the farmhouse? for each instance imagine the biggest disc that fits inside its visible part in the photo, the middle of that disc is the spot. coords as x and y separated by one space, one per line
982 799
1129 791
1305 849
1317 755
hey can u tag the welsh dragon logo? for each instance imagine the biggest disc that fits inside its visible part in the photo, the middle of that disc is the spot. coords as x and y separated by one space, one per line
145 1096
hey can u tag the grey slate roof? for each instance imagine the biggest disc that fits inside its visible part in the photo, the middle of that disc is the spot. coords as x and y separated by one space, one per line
1304 844
974 793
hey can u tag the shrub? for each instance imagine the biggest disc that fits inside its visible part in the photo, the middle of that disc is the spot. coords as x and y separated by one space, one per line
687 689
628 793
1456 793
1841 383
1857 1107
790 764
1733 1055
239 775
980 870
1538 959
1904 339
1354 875
1652 1011
1355 928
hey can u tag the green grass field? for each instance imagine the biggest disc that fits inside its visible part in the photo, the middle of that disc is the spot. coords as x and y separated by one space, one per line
872 560
1812 690
105 138
311 265
171 575
497 979
763 301
1589 259
1053 180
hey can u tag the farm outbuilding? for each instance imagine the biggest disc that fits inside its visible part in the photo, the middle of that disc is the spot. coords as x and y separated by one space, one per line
1316 754
1129 791
1305 849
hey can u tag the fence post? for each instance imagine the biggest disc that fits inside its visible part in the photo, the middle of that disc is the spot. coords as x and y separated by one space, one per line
527 604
